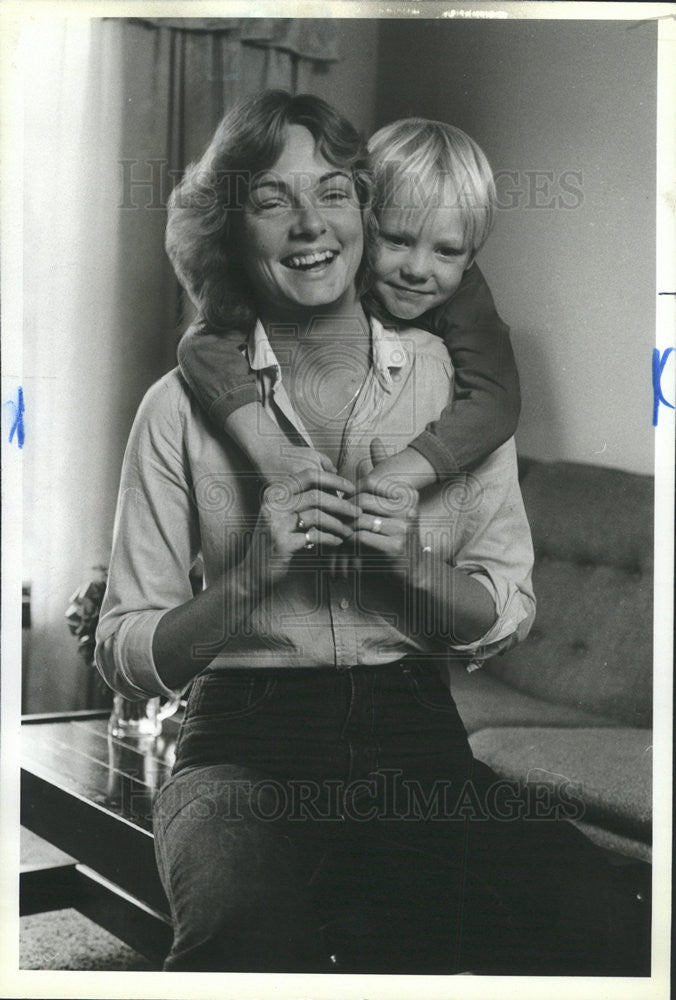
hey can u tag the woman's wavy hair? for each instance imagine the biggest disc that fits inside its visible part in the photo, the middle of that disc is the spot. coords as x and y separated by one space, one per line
202 231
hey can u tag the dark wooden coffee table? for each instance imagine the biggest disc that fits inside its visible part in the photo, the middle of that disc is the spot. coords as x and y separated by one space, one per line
91 796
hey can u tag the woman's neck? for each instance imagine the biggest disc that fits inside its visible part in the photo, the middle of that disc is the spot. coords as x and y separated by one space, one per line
325 357
340 320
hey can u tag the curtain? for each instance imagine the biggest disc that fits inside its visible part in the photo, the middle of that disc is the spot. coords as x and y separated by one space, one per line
207 63
113 111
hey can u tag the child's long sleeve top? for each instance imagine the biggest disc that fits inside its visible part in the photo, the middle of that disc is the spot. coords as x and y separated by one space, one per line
486 401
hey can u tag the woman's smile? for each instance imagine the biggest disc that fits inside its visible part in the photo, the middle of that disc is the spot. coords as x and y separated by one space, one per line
314 262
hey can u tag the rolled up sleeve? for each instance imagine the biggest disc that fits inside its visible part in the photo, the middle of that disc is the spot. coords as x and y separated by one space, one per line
155 544
495 547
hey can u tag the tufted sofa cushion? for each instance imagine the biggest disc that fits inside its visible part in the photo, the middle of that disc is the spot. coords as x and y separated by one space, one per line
607 771
591 645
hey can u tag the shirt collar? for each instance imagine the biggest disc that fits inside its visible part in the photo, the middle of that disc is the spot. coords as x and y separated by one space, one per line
389 353
261 354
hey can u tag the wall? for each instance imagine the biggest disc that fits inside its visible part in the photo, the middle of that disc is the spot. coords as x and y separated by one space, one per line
575 284
352 84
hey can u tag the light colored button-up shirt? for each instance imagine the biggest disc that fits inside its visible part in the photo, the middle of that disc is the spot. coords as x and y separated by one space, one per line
186 492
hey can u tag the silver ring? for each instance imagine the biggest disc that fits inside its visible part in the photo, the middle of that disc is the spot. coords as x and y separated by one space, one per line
377 524
300 524
308 544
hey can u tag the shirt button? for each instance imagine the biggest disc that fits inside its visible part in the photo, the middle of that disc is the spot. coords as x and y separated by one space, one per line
344 604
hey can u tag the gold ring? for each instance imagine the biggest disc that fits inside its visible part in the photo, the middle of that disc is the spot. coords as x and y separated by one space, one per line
300 524
377 524
308 544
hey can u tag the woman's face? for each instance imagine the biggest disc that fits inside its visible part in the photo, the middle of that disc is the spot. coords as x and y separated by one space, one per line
302 238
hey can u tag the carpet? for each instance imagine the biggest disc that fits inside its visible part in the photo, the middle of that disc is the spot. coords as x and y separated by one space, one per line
64 939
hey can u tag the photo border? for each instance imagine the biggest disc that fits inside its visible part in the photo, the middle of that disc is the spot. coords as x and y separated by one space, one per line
26 983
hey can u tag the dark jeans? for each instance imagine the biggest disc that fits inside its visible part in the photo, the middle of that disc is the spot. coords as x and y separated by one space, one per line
319 813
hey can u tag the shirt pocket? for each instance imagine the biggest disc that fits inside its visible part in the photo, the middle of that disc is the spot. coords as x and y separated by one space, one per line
428 689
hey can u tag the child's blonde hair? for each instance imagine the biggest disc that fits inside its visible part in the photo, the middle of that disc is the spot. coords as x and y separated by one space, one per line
420 164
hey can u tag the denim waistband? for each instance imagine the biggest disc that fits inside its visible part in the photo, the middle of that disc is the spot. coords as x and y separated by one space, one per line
327 671
320 719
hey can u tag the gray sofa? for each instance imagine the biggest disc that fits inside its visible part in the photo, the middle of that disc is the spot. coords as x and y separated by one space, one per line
571 707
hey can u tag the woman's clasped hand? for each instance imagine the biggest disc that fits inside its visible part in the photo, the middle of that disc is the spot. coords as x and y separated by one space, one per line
388 525
316 509
299 512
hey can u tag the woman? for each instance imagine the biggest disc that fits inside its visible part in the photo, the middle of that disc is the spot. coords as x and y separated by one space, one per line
325 811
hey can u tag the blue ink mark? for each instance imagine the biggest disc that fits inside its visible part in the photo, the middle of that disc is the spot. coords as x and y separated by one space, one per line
17 426
658 367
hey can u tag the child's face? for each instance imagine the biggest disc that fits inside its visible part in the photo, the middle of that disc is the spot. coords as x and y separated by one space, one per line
418 259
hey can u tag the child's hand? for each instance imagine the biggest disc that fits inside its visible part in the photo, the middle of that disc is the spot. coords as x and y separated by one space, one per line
394 478
407 467
268 448
280 458
388 527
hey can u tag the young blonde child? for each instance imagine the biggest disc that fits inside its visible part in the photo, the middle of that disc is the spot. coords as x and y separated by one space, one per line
432 209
